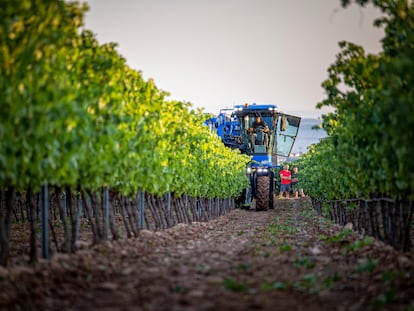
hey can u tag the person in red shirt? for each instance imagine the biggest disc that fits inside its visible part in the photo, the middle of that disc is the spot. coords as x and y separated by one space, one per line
285 180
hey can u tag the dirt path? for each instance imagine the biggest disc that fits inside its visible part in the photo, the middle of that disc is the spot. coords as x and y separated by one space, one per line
282 259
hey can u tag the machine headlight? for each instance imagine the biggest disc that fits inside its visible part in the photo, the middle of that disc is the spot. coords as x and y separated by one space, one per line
249 170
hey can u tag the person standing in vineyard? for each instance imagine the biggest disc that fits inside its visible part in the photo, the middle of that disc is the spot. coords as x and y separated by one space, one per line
295 184
285 180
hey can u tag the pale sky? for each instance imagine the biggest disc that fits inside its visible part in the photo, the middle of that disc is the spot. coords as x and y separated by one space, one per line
218 53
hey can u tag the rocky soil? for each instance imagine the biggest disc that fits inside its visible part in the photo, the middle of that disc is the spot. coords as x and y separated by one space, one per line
287 258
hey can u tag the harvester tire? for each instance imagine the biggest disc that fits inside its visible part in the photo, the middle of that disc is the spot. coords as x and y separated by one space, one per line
262 193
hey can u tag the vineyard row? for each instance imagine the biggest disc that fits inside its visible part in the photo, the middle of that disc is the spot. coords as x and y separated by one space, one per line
382 218
68 220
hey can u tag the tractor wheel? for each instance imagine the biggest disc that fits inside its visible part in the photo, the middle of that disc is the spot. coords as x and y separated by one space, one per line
262 193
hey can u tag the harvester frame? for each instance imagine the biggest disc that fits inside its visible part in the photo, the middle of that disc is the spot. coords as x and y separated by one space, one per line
235 127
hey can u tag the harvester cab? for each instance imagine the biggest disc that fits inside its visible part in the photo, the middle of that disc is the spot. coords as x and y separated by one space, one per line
265 134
